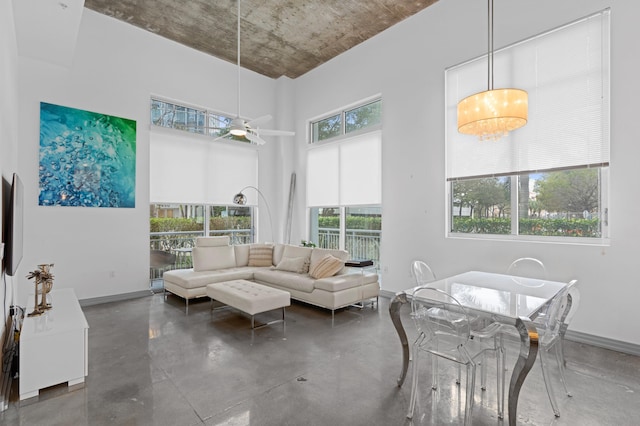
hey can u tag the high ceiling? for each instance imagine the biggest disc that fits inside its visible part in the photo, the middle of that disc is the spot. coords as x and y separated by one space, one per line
277 37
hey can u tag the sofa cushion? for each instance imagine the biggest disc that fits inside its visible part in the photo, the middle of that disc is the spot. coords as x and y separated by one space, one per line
278 249
190 279
327 267
212 241
285 279
318 254
345 281
210 258
299 265
297 251
242 254
260 255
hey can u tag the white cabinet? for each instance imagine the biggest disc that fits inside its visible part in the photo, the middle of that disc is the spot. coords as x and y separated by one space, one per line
54 345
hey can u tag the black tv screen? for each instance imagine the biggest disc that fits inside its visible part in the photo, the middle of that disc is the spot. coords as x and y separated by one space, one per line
14 226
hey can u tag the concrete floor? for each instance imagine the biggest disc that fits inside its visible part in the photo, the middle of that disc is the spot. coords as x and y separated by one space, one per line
150 364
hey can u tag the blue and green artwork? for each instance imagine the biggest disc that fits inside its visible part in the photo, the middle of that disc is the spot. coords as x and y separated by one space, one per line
87 159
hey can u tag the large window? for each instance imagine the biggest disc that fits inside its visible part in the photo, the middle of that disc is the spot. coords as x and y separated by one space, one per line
348 120
344 194
192 182
548 179
356 229
176 226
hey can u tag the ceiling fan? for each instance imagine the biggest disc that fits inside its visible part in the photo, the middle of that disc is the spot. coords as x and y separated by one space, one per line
249 129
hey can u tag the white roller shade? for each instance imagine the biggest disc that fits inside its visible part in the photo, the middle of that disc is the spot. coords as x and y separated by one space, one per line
565 72
191 169
345 173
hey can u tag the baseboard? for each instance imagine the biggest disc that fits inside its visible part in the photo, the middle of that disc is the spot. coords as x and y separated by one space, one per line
603 342
114 298
579 337
387 294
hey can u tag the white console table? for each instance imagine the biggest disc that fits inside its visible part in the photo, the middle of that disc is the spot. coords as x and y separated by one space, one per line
54 345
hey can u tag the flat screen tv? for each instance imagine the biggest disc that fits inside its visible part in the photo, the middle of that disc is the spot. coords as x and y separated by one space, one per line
14 226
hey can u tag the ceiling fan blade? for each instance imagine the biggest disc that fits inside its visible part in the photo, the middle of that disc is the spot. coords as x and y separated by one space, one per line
257 121
255 139
221 137
212 128
269 132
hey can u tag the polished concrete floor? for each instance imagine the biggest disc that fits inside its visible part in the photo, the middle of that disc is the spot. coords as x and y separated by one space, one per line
150 364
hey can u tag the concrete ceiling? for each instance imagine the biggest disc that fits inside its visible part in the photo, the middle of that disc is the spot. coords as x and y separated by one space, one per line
277 37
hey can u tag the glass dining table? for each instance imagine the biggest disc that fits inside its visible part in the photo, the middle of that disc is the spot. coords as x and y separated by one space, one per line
506 299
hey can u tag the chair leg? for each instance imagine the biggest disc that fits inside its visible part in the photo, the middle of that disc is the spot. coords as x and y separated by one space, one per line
471 385
547 382
434 372
500 362
483 372
561 365
414 381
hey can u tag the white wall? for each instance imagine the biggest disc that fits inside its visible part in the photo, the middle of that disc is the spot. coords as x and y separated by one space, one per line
116 68
406 64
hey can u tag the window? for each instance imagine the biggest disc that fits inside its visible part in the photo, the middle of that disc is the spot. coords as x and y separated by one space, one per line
176 226
347 121
344 194
192 181
191 119
359 233
548 179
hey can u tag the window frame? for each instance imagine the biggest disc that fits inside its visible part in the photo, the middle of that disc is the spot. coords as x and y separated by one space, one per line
209 118
342 113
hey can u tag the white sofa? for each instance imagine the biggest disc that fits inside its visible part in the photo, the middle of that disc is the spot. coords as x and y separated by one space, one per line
282 266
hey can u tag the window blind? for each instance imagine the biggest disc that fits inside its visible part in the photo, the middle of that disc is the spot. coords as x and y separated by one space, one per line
566 73
345 173
187 169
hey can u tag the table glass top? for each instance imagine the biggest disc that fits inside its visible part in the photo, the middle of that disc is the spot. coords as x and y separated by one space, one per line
498 294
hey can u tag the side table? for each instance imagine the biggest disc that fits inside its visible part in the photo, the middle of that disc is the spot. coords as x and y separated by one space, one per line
363 265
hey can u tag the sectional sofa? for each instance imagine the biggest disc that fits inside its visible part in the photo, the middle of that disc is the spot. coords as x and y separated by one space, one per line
311 275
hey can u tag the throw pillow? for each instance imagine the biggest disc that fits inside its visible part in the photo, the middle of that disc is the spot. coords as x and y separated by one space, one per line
293 264
327 267
260 255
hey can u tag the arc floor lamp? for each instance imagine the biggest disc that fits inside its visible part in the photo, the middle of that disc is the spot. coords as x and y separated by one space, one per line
241 200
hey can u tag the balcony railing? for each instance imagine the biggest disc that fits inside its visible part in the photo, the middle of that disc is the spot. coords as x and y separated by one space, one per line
360 243
179 242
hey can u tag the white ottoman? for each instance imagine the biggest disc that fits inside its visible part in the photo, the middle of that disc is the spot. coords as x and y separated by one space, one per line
249 297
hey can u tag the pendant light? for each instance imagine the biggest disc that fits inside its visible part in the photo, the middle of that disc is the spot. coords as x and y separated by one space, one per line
492 114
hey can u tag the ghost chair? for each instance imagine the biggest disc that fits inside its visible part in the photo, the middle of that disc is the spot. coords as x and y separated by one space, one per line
421 272
444 331
527 267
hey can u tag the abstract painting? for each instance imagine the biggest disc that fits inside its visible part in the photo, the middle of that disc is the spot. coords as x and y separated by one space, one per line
87 159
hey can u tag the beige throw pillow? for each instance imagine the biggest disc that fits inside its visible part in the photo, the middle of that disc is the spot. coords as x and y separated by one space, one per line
293 264
260 255
327 267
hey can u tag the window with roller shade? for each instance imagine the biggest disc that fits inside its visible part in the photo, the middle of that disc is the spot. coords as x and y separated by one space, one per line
548 179
344 194
192 181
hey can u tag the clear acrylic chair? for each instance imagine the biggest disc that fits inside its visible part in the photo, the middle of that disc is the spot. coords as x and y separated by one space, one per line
421 272
550 338
527 267
573 301
444 331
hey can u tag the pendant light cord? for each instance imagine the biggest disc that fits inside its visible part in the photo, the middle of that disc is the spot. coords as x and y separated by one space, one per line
238 47
490 43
